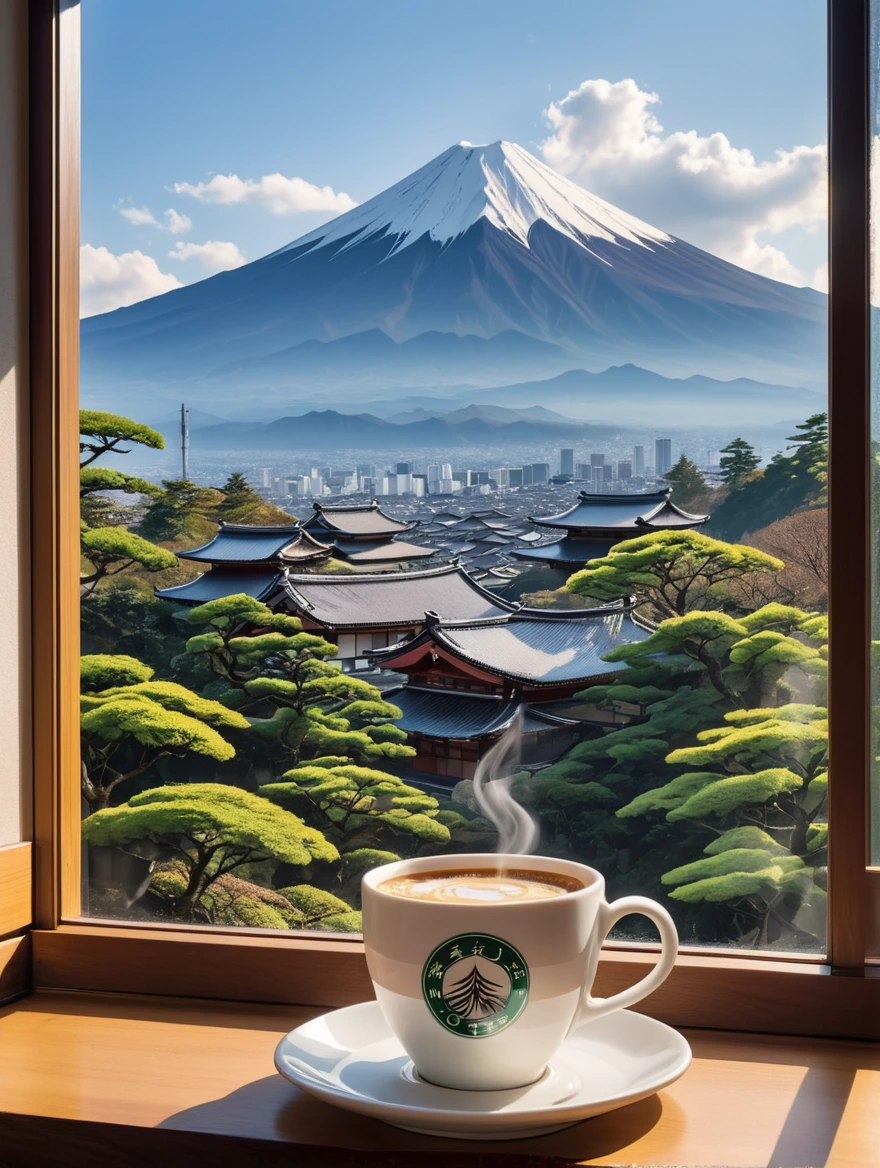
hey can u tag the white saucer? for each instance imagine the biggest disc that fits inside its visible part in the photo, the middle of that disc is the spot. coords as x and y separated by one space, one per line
350 1058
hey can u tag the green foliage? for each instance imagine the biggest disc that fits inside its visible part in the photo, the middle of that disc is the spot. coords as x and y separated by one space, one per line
303 711
687 482
738 462
180 510
110 550
728 794
102 478
790 482
101 432
728 861
99 671
671 572
212 830
183 701
127 729
728 753
358 807
748 836
314 908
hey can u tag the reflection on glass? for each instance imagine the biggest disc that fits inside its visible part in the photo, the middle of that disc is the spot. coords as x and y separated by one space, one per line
485 458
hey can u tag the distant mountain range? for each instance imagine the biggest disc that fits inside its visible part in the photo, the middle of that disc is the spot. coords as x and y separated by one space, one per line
329 430
482 270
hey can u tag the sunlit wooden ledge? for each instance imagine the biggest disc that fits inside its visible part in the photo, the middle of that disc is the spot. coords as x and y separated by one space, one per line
719 991
120 1080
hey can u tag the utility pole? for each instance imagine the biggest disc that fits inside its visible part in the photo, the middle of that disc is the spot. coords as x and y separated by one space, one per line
184 441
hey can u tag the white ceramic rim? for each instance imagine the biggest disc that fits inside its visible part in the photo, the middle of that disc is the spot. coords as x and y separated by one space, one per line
365 1105
592 880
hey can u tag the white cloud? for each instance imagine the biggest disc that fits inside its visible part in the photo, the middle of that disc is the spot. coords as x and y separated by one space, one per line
177 224
606 136
216 255
139 216
109 281
280 195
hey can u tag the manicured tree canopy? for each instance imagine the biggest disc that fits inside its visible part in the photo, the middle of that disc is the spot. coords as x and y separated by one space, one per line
102 478
126 729
99 671
111 550
359 807
213 830
766 781
296 701
670 572
102 432
229 900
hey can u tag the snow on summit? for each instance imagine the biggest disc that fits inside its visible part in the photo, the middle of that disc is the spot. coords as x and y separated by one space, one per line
501 183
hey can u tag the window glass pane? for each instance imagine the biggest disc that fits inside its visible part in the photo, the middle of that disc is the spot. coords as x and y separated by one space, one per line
875 440
556 400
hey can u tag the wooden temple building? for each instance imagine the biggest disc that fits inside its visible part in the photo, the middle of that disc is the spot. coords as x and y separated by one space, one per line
241 558
363 536
597 522
362 612
467 680
255 560
471 661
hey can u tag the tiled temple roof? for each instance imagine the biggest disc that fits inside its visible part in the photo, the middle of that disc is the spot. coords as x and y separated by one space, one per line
398 599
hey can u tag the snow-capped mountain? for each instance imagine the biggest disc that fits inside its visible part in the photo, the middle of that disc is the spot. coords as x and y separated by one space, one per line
482 268
501 183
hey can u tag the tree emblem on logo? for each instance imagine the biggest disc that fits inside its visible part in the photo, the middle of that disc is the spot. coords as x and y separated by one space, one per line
475 985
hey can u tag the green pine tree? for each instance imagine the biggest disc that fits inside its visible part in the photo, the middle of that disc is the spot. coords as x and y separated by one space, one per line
107 547
129 722
210 830
670 572
686 481
738 461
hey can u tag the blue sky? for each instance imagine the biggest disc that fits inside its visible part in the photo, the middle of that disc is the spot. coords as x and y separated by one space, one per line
700 98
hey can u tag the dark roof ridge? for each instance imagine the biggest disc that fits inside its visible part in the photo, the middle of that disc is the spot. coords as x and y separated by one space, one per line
257 529
433 620
679 511
373 505
456 693
613 496
369 577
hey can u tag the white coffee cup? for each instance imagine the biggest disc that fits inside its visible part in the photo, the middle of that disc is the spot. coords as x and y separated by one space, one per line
537 957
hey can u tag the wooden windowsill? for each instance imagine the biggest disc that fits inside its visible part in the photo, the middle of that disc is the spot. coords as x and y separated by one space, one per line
132 1080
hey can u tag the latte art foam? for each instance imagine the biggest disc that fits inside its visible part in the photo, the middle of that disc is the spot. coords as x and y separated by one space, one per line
488 887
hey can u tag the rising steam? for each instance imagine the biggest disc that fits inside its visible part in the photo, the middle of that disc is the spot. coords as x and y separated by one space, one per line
517 830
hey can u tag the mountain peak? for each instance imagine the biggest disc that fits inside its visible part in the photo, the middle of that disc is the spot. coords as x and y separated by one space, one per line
499 182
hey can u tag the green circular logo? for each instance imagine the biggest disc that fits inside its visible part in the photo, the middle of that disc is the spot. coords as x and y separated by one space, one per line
475 985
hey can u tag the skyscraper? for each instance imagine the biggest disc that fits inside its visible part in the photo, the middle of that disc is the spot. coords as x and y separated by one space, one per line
404 468
597 460
662 457
566 462
624 469
638 464
540 472
583 470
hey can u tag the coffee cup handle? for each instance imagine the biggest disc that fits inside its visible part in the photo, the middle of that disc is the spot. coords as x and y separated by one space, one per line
608 916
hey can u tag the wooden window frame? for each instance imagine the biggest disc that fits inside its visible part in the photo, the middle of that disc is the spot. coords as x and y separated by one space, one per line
837 996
